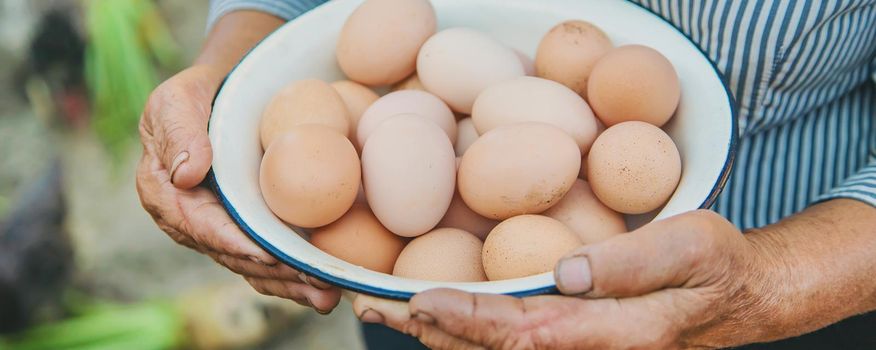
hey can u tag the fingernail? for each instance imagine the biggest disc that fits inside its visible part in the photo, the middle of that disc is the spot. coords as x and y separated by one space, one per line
573 275
303 277
321 312
371 316
425 318
180 158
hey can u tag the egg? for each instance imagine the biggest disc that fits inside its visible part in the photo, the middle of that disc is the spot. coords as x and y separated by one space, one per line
568 53
634 167
444 255
528 63
516 169
634 82
525 99
583 173
310 175
458 63
379 42
409 170
412 102
307 101
357 98
410 83
466 135
460 216
360 239
526 245
586 216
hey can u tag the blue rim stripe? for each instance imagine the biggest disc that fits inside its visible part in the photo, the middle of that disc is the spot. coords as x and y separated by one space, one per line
398 295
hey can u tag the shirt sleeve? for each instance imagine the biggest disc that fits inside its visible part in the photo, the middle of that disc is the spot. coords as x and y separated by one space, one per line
860 186
285 9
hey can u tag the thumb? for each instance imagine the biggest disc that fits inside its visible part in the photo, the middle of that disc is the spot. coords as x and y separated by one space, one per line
663 254
178 112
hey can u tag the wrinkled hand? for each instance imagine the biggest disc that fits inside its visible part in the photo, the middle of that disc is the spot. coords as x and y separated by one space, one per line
176 158
690 281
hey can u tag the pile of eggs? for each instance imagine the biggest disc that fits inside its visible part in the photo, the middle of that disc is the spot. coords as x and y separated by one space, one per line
480 164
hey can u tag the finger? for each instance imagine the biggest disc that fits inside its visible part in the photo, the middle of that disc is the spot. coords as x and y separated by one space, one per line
178 111
494 321
323 301
207 222
434 338
663 254
313 281
392 313
248 268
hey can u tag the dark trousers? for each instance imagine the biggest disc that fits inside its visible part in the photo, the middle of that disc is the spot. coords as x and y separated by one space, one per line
852 334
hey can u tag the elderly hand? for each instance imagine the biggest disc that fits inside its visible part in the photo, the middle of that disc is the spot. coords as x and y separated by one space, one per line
176 158
690 281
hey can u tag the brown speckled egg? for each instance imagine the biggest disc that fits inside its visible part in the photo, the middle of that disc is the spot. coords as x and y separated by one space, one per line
460 216
568 52
379 42
360 239
585 215
310 175
307 101
522 168
526 245
634 167
634 82
357 98
444 254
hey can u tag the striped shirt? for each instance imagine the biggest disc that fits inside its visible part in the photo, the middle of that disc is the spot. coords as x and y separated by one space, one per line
802 75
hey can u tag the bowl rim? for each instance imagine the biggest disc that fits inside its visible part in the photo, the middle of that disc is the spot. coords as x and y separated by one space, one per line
346 284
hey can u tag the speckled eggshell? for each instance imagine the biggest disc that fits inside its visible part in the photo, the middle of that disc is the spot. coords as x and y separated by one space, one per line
412 102
526 245
466 135
458 63
568 53
530 99
444 255
586 216
310 176
516 169
307 101
634 167
409 170
379 42
357 98
360 239
634 82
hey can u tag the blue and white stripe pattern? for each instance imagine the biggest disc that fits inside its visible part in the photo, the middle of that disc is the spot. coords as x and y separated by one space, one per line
802 74
286 9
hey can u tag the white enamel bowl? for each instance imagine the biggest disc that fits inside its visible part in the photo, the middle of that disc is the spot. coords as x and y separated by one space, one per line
704 127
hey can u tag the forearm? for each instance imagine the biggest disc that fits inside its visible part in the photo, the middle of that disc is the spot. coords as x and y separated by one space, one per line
232 36
821 264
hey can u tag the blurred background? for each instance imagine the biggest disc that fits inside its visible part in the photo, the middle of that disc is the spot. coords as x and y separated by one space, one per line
82 266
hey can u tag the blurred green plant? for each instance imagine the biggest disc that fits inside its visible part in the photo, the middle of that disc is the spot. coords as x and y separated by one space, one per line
156 325
128 44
